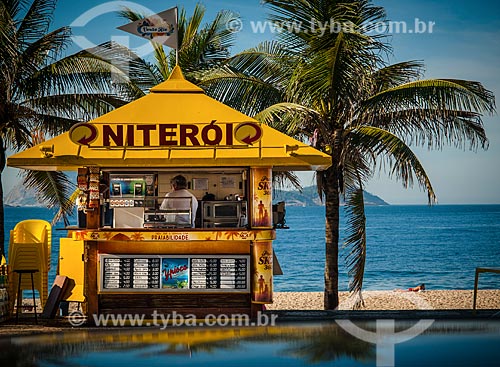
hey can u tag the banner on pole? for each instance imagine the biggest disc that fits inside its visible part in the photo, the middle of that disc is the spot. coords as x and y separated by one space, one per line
160 28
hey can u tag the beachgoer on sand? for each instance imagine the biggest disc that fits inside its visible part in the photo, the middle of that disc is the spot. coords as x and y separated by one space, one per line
418 288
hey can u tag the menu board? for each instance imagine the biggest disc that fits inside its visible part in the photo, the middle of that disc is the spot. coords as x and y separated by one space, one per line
127 272
219 273
224 273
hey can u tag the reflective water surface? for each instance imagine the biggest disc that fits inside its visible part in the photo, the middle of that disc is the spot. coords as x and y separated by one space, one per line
445 343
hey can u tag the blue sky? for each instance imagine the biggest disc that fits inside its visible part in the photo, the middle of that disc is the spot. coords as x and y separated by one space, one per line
464 43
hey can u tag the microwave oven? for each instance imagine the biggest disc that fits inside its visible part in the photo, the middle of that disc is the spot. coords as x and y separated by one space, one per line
223 213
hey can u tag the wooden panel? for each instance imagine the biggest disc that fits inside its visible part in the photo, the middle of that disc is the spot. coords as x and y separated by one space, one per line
199 305
91 269
185 312
174 300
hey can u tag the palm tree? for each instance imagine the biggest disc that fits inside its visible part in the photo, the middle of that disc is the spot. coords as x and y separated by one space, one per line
201 48
42 93
337 89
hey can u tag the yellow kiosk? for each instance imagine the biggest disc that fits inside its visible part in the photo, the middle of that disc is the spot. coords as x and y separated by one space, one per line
130 254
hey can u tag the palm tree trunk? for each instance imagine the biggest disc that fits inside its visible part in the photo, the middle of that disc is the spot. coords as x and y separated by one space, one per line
2 226
332 205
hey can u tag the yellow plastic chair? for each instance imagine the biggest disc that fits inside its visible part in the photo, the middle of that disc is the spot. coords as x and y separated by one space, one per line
37 231
28 259
29 249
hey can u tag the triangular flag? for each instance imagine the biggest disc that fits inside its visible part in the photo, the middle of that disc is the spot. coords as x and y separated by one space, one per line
160 28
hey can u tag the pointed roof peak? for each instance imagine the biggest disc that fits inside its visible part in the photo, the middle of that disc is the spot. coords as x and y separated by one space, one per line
176 74
176 83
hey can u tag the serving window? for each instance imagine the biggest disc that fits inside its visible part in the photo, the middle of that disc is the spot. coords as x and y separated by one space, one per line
135 199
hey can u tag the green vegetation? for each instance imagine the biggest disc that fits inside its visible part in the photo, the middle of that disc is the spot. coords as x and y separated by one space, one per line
337 90
42 93
201 48
333 89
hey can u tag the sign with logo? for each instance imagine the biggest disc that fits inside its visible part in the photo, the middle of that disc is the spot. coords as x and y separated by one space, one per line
174 273
165 135
160 28
262 197
248 133
262 279
83 134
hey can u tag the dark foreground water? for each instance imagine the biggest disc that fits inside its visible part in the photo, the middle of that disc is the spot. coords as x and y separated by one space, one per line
445 343
440 246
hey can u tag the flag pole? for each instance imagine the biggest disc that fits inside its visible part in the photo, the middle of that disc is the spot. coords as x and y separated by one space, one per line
177 38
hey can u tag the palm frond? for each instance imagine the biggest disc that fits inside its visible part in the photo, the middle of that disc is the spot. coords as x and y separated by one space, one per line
188 27
435 94
432 112
321 183
8 38
245 93
355 240
290 118
42 51
17 130
269 61
396 74
131 15
80 73
208 46
57 113
12 7
68 207
282 179
403 163
432 128
335 76
36 22
357 166
130 73
53 188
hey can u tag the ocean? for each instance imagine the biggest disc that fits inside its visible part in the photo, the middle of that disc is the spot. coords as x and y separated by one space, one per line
407 244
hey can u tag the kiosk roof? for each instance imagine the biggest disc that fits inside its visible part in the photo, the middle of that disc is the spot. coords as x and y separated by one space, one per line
175 125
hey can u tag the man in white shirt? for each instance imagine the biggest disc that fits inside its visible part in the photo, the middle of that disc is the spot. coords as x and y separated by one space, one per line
180 199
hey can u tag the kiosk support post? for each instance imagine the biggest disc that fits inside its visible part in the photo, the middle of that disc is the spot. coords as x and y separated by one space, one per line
91 269
93 218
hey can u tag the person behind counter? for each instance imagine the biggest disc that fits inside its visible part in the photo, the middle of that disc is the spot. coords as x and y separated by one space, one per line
179 186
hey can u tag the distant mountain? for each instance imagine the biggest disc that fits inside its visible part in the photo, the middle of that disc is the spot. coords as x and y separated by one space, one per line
21 196
309 197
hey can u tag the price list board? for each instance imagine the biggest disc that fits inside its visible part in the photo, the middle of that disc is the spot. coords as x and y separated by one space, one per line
155 273
223 273
130 273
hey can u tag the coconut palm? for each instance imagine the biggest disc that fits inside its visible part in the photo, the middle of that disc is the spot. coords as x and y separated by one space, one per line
42 93
337 89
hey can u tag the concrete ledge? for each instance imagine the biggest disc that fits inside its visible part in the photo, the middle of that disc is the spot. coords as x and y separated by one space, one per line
320 315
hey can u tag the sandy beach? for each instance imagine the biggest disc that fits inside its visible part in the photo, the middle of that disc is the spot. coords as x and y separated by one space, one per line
392 300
